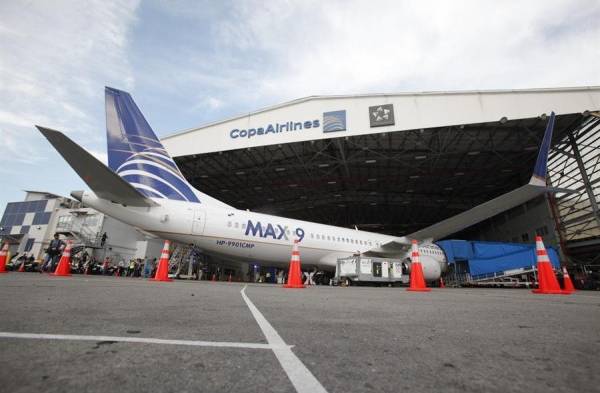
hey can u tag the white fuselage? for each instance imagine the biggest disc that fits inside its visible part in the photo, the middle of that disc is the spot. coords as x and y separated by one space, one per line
252 237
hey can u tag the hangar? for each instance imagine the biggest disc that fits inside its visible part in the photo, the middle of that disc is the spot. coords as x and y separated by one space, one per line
394 163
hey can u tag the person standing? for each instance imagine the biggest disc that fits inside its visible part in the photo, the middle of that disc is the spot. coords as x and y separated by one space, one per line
105 266
131 268
120 267
147 267
54 250
137 268
194 262
153 264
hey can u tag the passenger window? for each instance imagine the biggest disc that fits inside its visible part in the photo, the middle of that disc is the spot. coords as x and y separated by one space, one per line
237 224
243 226
312 236
229 224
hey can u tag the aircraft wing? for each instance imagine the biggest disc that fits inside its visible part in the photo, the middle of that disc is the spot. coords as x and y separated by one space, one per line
105 183
479 213
535 187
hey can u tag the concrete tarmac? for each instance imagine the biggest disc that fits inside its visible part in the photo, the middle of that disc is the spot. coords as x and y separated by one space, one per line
350 339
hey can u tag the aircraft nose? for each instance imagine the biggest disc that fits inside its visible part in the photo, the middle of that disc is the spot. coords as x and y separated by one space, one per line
77 195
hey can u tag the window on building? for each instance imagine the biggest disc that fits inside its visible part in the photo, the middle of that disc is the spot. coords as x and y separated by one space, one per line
29 245
542 231
64 222
41 218
90 221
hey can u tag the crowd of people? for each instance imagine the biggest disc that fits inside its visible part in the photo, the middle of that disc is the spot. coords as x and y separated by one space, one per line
135 267
84 263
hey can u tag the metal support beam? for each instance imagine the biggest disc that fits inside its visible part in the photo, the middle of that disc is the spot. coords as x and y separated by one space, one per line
584 176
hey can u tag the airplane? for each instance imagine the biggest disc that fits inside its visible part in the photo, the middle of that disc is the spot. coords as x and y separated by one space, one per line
143 187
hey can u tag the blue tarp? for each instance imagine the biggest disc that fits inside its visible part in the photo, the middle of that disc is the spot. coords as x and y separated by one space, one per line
493 257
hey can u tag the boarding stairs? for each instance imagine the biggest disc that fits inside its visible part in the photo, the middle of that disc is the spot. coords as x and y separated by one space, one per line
514 278
179 260
81 236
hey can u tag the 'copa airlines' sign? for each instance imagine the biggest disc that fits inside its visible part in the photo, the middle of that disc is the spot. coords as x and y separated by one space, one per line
274 129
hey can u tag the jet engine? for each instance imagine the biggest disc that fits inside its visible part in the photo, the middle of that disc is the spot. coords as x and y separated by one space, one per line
433 261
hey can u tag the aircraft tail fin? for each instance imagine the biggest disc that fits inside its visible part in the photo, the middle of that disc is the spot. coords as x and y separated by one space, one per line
138 156
535 187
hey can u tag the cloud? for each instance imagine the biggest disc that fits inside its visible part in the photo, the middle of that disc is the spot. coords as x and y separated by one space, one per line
56 56
345 47
100 155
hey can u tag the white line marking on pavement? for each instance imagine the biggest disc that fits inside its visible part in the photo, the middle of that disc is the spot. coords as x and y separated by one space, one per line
141 340
301 377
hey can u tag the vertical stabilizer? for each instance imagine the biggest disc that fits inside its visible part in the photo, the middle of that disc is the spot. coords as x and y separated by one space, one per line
138 156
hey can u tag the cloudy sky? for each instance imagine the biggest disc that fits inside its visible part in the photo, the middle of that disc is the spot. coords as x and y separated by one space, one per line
191 62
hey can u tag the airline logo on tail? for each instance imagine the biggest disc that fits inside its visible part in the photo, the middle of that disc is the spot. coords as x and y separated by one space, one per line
137 155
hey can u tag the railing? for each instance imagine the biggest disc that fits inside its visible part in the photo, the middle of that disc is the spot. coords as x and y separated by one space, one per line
82 234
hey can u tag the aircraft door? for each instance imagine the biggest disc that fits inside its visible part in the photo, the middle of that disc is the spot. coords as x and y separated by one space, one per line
198 222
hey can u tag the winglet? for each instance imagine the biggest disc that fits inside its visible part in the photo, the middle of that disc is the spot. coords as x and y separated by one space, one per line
540 169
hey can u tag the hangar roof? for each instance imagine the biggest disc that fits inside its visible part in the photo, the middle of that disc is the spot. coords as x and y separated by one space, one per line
443 154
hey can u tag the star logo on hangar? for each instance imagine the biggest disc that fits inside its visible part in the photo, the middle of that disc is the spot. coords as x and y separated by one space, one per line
381 115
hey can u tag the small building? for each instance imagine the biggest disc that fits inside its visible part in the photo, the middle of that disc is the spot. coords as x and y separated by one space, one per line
29 226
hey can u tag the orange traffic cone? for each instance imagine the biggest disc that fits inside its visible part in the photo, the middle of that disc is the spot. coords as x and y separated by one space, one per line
442 285
567 283
417 280
547 282
294 274
3 254
162 272
64 265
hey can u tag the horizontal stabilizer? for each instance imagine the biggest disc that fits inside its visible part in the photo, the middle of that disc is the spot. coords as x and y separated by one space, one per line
105 183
